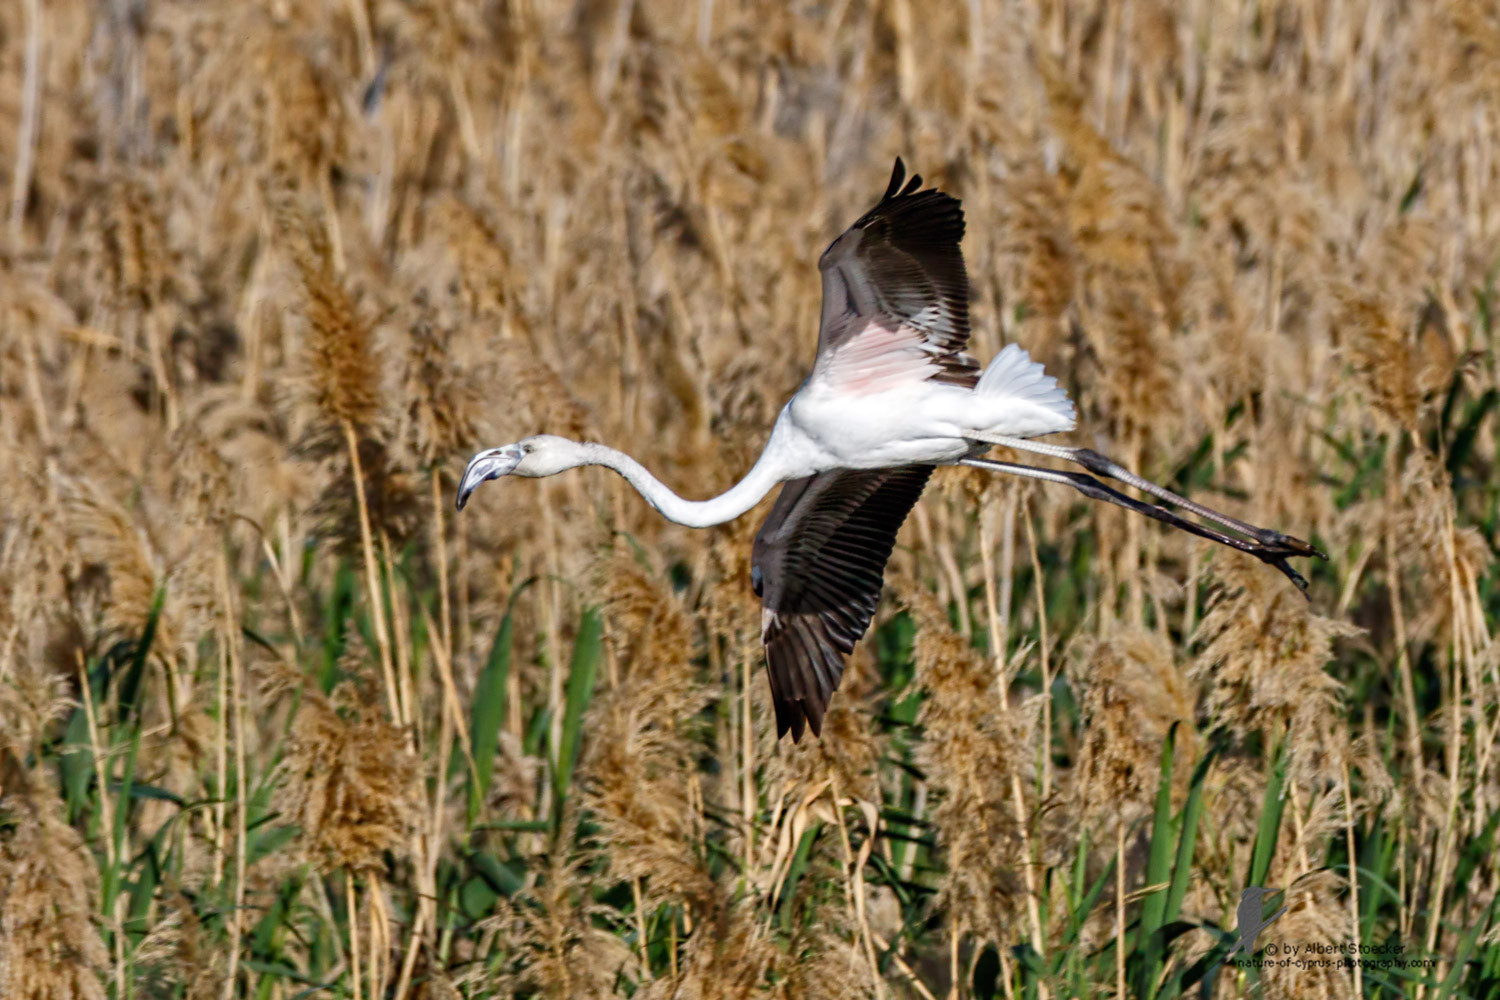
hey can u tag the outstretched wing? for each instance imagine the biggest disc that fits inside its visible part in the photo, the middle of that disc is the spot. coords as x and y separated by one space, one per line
817 565
896 295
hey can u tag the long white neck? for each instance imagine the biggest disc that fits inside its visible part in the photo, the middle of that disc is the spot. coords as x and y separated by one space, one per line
727 506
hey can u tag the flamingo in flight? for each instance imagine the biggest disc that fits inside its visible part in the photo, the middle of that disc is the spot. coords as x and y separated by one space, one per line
891 396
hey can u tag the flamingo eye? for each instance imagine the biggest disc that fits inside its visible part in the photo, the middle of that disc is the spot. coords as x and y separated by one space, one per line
757 582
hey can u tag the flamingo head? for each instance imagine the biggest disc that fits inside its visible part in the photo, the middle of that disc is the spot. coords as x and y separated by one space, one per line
533 457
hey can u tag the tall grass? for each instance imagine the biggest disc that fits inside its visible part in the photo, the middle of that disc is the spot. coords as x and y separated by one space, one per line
275 723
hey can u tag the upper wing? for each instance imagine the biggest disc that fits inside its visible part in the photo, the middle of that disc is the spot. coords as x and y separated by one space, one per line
817 565
896 295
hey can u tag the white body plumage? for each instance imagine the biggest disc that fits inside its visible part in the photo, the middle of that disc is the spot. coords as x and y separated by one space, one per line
917 421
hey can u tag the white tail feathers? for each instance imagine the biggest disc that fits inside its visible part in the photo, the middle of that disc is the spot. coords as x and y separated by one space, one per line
1033 402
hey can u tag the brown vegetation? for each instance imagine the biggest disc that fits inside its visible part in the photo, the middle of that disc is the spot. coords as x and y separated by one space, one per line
273 719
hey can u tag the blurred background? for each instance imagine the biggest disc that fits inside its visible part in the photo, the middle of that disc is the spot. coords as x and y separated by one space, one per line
275 723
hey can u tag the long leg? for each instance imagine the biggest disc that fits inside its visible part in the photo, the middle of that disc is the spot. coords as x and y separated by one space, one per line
1102 466
1272 553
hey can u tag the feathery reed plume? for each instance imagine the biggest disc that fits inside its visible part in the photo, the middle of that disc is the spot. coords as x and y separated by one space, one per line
1314 915
344 383
343 365
261 88
348 780
140 276
1400 372
824 961
121 558
1462 69
1262 656
1127 261
555 939
444 403
1131 692
174 954
1036 252
731 955
480 262
38 620
199 483
108 546
49 947
547 395
1428 550
187 518
969 752
134 253
639 766
32 697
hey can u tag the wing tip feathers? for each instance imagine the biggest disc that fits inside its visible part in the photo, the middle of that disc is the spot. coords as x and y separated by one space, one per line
796 717
898 174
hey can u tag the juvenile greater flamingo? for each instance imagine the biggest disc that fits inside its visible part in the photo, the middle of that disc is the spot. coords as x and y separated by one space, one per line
891 396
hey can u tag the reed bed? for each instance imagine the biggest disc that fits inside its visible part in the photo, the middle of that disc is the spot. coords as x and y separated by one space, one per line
275 723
